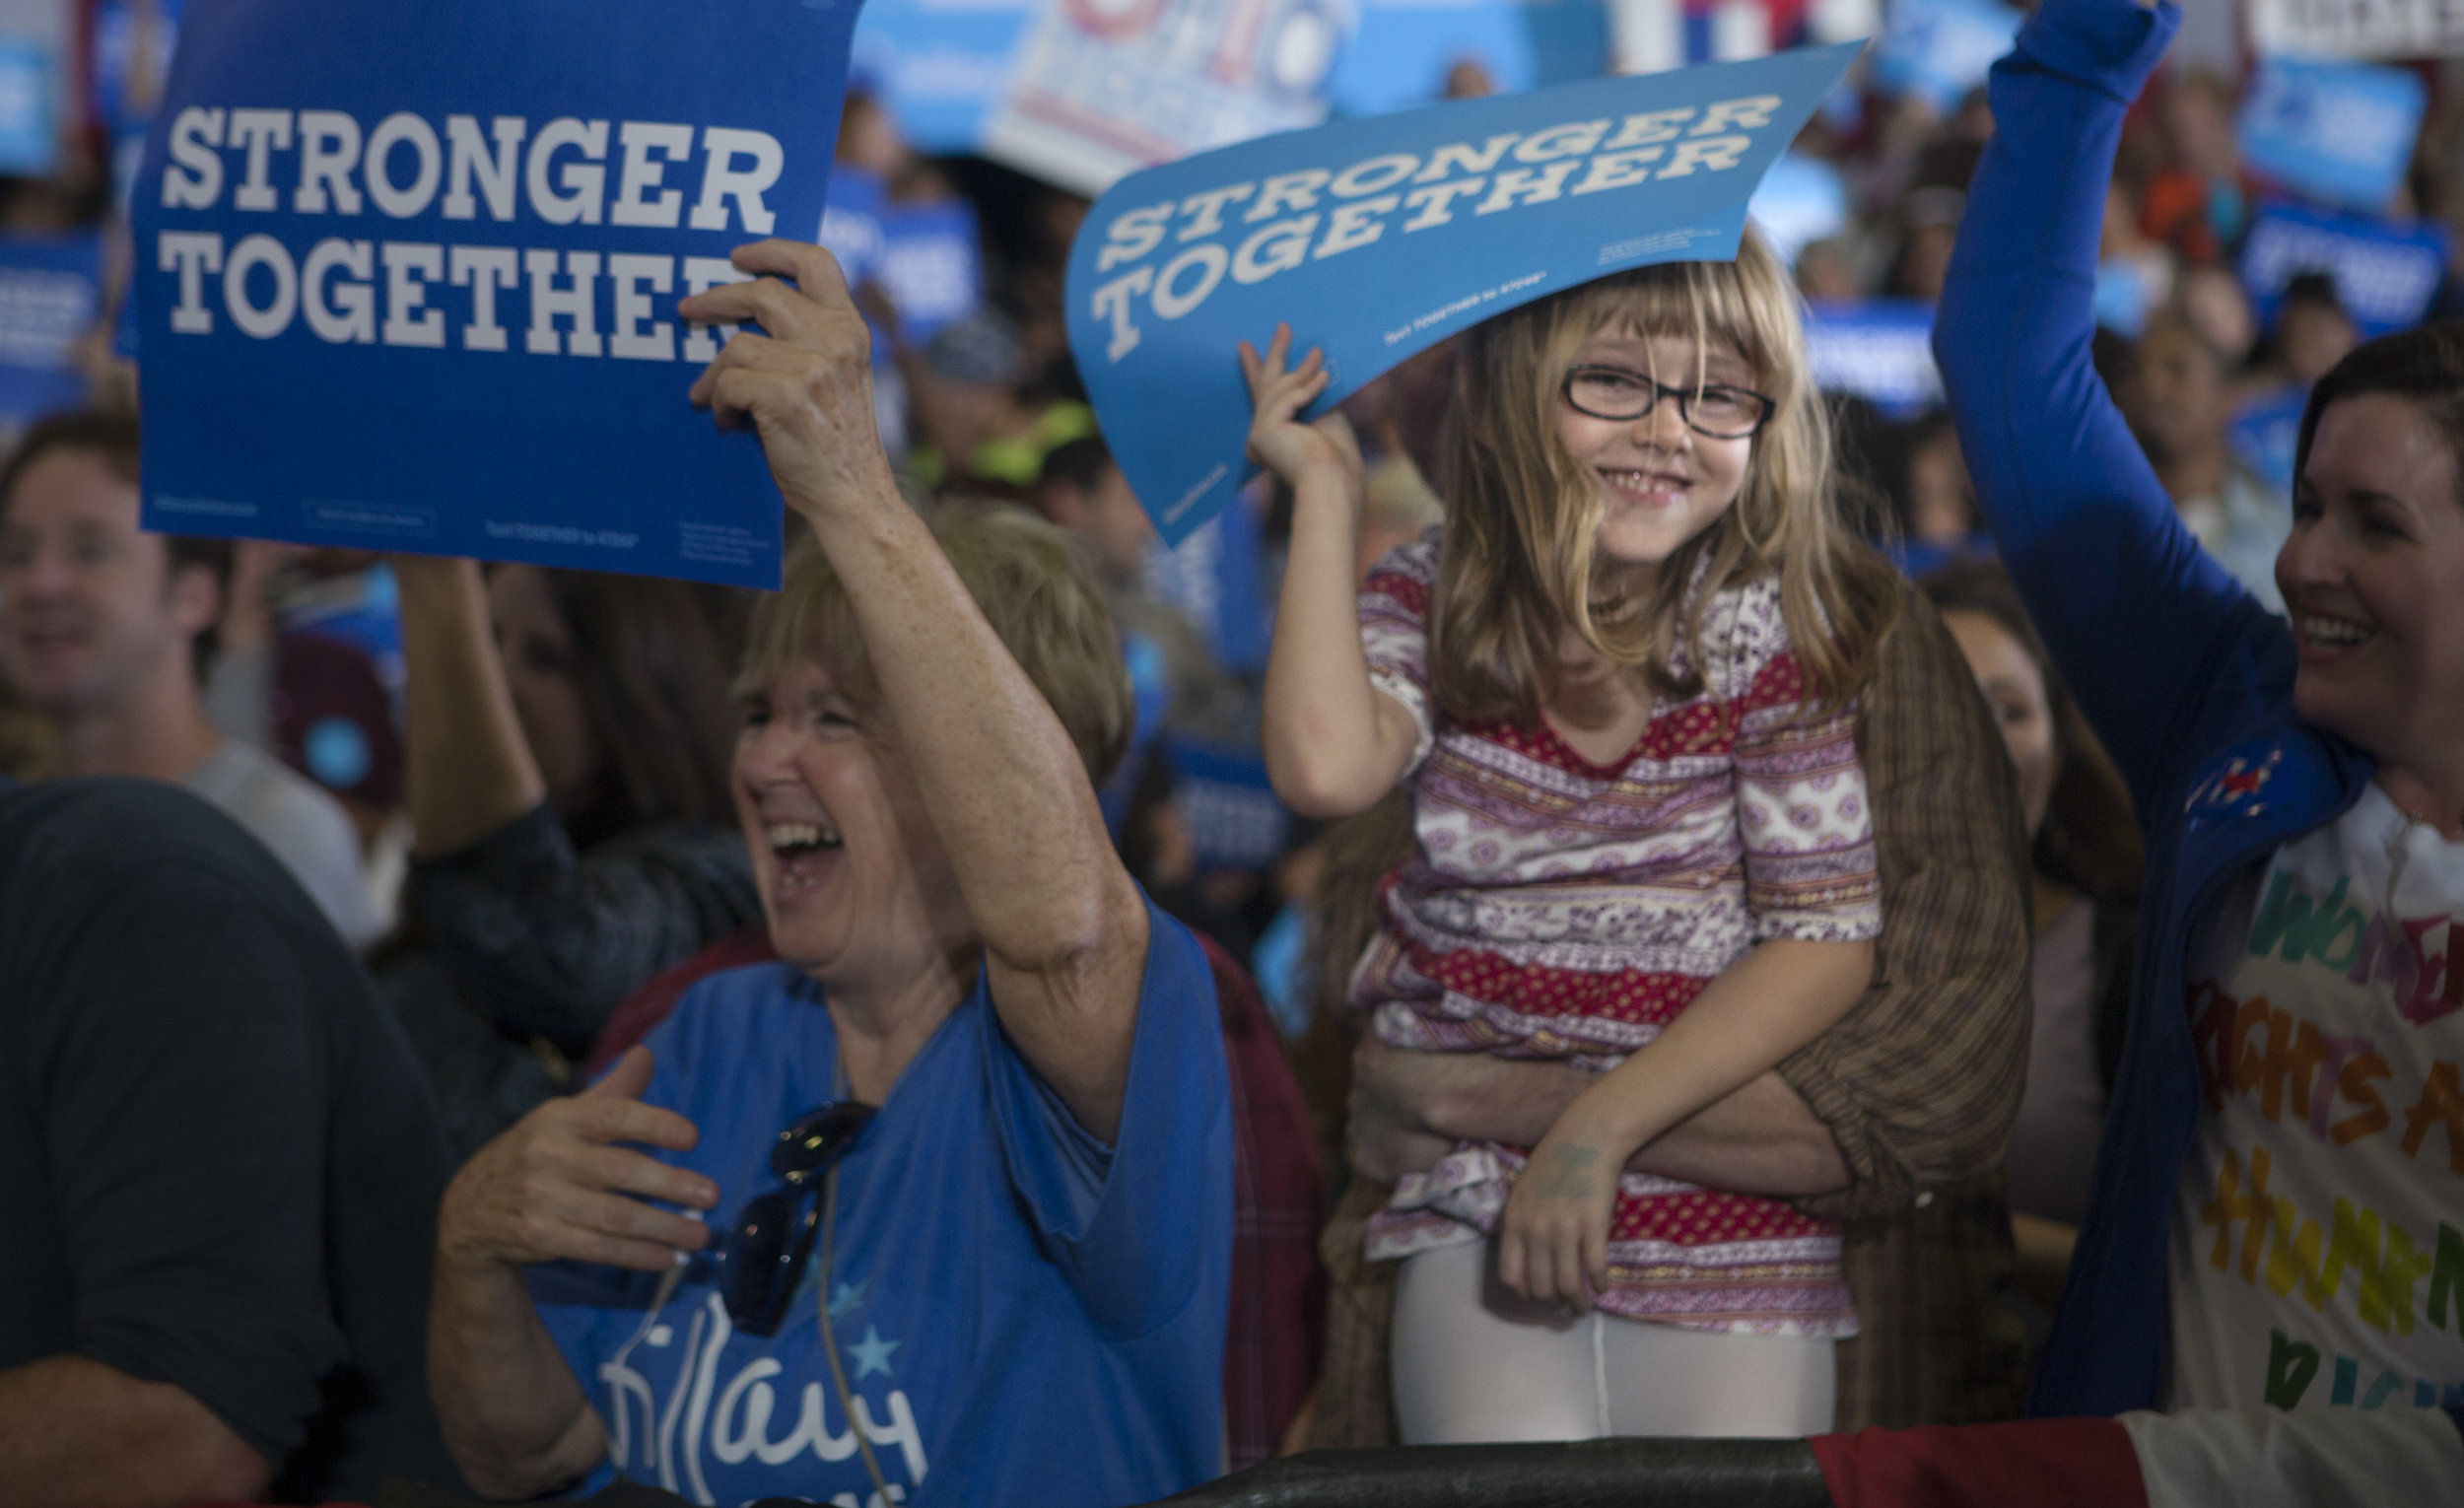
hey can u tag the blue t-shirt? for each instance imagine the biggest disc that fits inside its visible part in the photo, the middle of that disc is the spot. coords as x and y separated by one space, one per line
1025 1315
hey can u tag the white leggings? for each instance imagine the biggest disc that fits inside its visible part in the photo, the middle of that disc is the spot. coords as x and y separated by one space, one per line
1475 1363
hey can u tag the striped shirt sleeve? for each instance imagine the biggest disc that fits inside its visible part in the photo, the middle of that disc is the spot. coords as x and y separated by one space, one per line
1395 633
1806 819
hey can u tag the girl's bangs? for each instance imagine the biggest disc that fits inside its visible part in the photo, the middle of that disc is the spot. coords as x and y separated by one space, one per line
1709 302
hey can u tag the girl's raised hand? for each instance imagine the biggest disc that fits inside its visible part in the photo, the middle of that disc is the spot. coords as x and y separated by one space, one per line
1277 439
1553 1245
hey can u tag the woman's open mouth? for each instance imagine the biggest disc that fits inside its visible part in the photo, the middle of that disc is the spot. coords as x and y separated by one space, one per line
802 851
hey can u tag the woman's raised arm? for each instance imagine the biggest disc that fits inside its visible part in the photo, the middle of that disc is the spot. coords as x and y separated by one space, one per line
470 770
2136 613
1064 930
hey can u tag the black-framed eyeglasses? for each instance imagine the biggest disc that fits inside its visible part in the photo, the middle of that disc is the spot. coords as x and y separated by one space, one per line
773 1236
1715 409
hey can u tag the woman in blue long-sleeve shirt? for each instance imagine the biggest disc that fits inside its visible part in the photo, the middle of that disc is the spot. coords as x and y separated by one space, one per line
2279 1215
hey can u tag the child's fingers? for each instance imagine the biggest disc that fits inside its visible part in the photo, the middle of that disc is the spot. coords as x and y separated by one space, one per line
1510 1261
1539 1277
1276 405
1250 365
1279 347
1568 1255
1288 396
1540 1270
1293 392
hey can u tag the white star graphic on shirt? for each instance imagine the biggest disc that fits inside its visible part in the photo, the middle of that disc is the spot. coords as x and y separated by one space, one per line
872 1353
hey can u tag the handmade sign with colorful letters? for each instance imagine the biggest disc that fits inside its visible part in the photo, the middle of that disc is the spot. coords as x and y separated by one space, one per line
1376 239
407 271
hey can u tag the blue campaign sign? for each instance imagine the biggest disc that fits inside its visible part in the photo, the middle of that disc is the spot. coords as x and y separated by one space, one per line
923 259
2385 273
2265 433
1801 199
407 271
1941 48
1377 239
49 292
1214 578
851 230
29 104
851 221
1404 49
1224 797
129 50
931 264
2341 134
1879 349
939 64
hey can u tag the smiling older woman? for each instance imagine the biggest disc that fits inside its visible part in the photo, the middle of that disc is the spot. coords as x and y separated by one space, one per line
964 1154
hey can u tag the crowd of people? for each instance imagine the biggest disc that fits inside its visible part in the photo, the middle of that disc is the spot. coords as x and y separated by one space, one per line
1616 892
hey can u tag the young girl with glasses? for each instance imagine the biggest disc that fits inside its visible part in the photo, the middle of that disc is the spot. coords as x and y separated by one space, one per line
1620 682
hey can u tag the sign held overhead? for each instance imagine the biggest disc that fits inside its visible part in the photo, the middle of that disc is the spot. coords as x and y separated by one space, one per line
1376 239
407 272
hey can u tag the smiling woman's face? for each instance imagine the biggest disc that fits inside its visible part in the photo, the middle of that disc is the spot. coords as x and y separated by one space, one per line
2374 579
2015 688
1660 483
852 872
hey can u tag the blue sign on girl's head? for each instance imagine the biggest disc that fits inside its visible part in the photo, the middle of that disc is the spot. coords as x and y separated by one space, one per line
1377 239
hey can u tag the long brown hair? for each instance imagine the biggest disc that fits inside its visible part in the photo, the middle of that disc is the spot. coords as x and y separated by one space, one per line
2090 839
653 658
1517 565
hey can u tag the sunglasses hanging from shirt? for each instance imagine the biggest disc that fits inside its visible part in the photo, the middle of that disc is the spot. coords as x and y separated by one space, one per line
774 1234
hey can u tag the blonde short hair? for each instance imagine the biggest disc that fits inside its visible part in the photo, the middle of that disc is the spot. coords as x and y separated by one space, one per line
1031 581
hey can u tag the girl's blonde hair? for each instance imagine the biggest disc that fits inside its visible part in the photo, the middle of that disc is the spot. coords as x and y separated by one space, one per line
1517 566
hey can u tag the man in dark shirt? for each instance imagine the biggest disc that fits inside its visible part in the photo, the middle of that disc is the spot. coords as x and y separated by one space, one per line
219 1168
